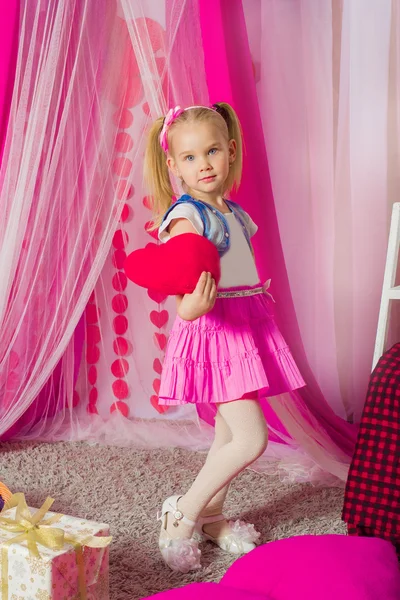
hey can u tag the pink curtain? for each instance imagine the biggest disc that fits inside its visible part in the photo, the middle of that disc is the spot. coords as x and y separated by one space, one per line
327 81
49 395
59 206
152 52
124 348
9 27
101 88
119 378
316 87
230 76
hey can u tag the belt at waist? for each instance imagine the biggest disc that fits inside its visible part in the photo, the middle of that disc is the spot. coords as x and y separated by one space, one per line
251 292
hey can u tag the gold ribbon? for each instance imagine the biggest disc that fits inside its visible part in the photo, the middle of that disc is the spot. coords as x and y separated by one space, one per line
34 530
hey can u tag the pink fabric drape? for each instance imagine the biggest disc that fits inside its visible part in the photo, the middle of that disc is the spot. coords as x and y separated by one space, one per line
9 22
327 80
230 77
59 207
9 35
157 58
144 63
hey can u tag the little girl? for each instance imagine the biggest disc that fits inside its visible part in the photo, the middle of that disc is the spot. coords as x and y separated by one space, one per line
224 347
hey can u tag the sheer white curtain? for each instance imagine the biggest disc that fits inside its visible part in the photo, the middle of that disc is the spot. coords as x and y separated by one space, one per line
328 77
90 78
74 204
118 382
56 188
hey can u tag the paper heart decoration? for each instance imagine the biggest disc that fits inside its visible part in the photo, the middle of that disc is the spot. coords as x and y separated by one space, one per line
154 233
147 202
159 319
159 408
156 386
161 340
174 268
157 366
157 297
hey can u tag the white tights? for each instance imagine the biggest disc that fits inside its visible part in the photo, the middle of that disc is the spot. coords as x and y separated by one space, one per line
241 436
222 436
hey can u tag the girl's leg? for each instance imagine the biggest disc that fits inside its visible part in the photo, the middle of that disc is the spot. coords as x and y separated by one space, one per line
214 508
246 422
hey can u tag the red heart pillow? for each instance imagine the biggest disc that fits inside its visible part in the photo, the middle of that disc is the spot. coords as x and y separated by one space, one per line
174 268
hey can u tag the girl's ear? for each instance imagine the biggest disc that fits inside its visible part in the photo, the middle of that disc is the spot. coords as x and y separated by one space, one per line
172 166
232 150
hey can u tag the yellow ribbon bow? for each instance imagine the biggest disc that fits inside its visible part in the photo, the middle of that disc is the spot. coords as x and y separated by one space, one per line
34 529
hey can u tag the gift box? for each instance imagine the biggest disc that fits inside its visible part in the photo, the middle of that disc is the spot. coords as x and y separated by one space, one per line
49 556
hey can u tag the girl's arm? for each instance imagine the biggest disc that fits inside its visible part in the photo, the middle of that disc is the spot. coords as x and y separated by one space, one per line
202 299
177 227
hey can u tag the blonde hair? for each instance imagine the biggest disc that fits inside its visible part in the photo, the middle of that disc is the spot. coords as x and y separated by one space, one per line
156 172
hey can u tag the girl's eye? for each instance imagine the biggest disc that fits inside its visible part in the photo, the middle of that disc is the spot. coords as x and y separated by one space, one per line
212 151
190 158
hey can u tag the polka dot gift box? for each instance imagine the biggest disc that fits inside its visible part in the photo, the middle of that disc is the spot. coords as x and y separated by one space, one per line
49 556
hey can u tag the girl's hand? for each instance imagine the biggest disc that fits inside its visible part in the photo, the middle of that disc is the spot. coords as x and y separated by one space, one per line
200 301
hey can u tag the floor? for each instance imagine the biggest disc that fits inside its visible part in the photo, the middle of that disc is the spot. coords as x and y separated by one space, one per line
125 487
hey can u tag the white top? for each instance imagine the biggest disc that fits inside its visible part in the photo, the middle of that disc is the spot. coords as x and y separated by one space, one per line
237 264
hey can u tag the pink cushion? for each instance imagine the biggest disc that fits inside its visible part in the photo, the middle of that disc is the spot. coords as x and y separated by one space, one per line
207 591
328 567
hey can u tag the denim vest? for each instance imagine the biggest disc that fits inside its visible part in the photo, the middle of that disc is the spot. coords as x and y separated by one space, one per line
216 228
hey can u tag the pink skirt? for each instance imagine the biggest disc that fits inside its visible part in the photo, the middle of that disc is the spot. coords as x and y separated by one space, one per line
234 351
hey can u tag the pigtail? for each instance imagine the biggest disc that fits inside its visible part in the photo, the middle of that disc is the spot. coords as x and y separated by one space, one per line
235 132
156 174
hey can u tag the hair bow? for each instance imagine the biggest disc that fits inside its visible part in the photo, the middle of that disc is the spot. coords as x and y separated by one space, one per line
172 114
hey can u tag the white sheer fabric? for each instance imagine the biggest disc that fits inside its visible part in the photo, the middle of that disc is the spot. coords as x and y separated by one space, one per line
133 325
327 80
71 189
88 76
55 189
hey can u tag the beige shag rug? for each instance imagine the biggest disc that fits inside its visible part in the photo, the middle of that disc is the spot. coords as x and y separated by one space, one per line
125 487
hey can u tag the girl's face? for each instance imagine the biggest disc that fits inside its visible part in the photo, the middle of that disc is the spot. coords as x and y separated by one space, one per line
201 155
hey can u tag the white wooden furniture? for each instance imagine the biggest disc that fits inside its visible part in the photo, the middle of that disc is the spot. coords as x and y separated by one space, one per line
389 291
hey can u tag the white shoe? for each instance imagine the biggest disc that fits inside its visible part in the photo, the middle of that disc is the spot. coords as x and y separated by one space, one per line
180 554
241 540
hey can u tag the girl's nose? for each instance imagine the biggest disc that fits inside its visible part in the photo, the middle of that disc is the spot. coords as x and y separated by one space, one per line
205 166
